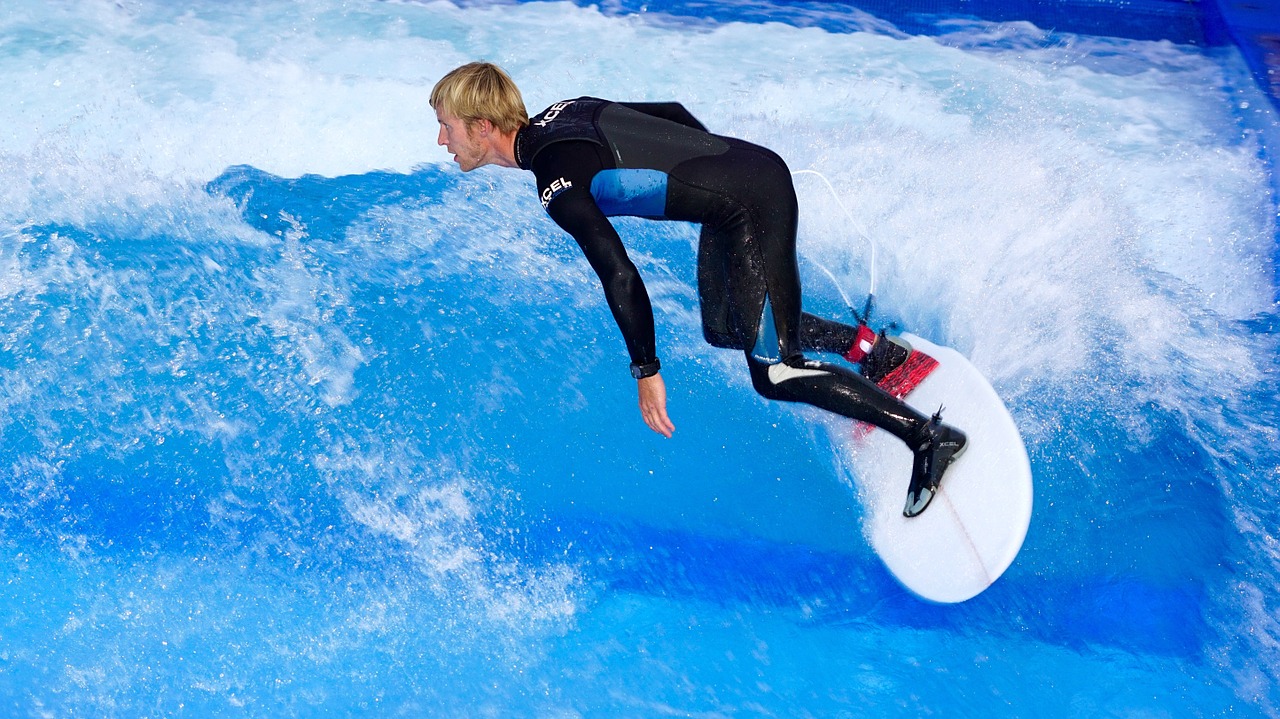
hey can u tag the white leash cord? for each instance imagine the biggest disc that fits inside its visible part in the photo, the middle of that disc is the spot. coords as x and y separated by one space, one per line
856 225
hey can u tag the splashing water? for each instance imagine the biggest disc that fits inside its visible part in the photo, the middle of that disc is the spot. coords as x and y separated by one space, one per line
297 420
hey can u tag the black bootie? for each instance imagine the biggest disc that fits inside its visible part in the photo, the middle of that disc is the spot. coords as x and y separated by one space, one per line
936 446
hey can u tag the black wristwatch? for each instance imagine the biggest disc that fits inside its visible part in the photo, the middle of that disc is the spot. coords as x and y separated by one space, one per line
648 369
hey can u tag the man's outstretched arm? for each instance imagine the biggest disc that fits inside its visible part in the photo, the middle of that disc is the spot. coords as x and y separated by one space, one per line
571 206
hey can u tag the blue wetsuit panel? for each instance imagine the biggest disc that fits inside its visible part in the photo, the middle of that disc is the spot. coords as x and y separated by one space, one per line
766 347
635 192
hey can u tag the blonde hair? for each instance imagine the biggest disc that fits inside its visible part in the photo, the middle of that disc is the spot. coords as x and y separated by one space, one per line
481 91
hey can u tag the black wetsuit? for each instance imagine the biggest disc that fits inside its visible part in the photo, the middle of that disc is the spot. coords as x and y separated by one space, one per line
594 159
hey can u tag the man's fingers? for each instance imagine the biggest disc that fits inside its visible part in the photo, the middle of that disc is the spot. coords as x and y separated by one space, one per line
659 422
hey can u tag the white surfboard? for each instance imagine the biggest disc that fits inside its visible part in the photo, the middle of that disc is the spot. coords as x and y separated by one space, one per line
973 529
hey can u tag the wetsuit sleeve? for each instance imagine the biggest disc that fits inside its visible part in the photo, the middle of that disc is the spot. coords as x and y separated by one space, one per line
672 111
563 172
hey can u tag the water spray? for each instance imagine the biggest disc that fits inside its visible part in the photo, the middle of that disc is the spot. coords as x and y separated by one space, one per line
865 316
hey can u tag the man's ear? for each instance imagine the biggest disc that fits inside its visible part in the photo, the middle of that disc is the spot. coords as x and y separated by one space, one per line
483 127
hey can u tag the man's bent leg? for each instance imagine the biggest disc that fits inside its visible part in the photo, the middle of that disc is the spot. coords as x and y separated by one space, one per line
836 389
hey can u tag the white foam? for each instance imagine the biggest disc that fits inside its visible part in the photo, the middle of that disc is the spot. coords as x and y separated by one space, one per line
1022 191
929 136
1022 195
432 518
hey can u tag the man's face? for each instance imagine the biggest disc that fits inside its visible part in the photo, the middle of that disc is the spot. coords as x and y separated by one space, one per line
467 147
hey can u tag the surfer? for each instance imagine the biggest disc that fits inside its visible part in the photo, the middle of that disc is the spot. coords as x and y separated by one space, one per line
593 159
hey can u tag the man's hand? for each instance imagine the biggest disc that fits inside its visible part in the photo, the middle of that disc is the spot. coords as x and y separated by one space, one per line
653 404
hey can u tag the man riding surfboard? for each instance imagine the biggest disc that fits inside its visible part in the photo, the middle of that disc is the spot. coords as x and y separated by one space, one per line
594 159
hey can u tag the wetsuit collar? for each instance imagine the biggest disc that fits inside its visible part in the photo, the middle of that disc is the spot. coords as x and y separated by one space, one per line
520 150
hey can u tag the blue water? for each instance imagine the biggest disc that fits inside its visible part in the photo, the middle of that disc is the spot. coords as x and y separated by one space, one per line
297 420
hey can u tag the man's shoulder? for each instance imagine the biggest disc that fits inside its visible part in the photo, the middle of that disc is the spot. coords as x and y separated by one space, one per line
564 110
563 121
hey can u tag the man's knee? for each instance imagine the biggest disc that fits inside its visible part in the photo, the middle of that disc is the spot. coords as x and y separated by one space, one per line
760 380
775 381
